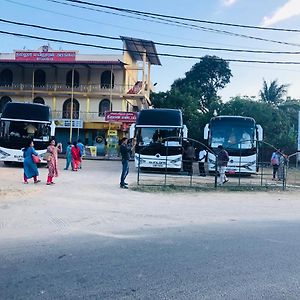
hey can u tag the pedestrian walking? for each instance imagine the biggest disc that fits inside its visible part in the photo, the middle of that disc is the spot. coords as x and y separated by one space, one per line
283 161
125 152
53 149
275 160
30 167
68 156
81 147
222 161
201 161
75 152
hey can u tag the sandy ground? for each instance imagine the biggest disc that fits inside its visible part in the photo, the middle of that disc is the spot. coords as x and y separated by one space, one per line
91 202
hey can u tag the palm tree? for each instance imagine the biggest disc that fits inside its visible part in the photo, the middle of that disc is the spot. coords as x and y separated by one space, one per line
273 94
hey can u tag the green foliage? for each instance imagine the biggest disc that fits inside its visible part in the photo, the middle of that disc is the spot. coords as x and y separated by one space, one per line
196 93
279 123
273 94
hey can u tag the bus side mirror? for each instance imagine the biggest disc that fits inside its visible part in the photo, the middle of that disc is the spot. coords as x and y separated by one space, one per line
206 131
259 132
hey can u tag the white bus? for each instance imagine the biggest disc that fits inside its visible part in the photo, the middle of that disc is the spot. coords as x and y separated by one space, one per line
239 136
20 122
159 134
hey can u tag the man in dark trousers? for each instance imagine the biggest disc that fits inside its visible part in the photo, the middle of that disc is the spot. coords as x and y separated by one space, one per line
222 161
125 152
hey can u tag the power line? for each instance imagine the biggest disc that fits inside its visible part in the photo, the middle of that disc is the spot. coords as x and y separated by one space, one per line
170 22
185 19
157 43
160 54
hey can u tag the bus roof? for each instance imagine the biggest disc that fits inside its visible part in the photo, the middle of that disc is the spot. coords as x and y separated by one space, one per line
232 118
26 112
159 117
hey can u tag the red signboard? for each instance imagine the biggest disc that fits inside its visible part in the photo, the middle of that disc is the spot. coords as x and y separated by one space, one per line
34 56
119 116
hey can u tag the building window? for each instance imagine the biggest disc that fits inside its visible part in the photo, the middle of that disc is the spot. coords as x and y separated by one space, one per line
6 77
104 106
69 79
107 78
3 101
39 100
67 109
39 78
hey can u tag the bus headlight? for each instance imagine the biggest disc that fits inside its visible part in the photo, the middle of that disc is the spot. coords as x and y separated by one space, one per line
249 164
176 160
3 153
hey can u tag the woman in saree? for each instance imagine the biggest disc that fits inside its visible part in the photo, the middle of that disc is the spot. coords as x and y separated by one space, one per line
76 157
30 167
52 163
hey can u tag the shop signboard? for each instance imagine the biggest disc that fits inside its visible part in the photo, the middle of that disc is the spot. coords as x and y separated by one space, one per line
66 123
45 56
120 116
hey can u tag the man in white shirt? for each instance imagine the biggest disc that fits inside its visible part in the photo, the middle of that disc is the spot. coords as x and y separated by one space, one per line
201 161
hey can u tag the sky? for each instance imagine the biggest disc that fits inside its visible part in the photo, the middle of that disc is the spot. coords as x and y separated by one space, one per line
247 77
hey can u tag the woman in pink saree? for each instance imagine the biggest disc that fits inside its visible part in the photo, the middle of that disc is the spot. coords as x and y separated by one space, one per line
52 163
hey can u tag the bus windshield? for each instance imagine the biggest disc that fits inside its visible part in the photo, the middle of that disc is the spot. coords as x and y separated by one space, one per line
232 133
149 135
14 134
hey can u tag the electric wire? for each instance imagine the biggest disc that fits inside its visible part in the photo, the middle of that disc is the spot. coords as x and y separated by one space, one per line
184 18
190 26
149 53
157 43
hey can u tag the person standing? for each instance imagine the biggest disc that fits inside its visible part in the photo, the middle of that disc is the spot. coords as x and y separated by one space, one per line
68 156
201 161
188 157
52 163
81 147
283 161
125 152
222 161
30 167
75 152
275 161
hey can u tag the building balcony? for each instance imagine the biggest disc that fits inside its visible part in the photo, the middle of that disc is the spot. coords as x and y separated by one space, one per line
82 89
84 116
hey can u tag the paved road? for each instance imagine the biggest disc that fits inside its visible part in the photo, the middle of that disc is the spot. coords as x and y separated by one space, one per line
85 238
239 260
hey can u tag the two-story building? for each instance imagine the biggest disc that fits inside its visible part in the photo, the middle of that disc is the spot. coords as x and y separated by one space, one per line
92 97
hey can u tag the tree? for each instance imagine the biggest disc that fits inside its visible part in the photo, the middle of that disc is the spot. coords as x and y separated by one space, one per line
196 93
278 122
273 94
204 80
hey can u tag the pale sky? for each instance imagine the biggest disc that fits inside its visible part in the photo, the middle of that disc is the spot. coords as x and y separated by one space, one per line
247 77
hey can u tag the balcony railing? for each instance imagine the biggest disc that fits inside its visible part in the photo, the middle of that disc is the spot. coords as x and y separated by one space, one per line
65 88
84 116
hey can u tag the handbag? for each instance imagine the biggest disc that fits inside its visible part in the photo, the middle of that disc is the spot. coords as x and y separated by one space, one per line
35 159
47 156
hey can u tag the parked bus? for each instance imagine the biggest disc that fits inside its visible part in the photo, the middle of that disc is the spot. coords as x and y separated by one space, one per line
159 134
20 122
239 136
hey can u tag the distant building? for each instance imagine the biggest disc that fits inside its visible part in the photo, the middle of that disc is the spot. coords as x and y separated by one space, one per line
100 94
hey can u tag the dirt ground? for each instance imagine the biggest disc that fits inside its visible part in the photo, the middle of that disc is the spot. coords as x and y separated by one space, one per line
90 201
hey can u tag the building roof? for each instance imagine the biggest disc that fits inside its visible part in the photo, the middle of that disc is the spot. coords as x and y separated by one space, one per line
136 48
84 63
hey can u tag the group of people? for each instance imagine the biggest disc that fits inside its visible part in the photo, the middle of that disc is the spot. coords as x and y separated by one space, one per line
279 160
74 154
30 166
189 156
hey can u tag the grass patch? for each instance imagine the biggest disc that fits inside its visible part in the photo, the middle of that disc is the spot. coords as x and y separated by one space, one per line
206 188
